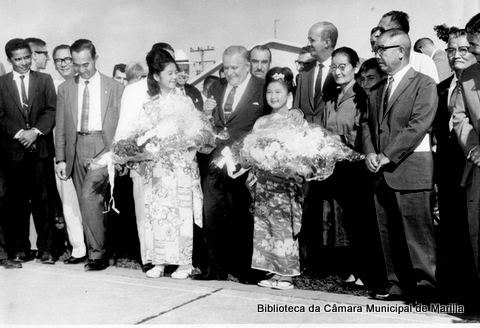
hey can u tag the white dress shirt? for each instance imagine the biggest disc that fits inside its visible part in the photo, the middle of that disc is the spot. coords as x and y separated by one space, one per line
325 72
95 109
238 93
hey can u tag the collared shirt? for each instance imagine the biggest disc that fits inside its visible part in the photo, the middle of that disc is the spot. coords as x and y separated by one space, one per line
397 77
325 71
95 113
424 64
238 93
433 53
18 82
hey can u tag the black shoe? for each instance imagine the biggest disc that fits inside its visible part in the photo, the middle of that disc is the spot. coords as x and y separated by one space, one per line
10 264
209 276
46 258
387 297
20 257
96 265
74 260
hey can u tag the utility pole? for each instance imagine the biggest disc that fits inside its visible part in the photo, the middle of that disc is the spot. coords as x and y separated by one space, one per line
275 28
202 62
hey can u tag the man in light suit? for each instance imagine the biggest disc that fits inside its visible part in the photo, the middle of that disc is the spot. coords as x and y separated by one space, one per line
27 118
235 103
315 88
87 116
427 47
396 141
466 118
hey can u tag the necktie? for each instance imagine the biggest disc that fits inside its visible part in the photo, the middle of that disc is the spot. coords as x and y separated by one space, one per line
183 91
85 108
318 82
227 109
386 97
25 101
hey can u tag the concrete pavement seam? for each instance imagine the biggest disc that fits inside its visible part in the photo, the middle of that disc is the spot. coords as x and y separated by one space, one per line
178 306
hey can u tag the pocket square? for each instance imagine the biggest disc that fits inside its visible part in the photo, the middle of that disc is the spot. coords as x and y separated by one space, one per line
255 103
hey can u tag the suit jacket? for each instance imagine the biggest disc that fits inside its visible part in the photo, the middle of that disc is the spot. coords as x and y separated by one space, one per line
397 132
67 116
249 108
195 95
41 104
304 97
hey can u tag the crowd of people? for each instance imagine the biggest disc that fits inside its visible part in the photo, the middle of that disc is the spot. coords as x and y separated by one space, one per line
411 110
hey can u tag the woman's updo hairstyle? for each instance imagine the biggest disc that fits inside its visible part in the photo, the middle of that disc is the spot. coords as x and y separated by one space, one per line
157 60
283 75
349 53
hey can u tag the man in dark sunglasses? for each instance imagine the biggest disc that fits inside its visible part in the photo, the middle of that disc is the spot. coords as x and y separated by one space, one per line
39 53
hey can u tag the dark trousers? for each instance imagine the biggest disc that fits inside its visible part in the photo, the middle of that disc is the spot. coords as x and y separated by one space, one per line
228 224
91 187
29 190
408 241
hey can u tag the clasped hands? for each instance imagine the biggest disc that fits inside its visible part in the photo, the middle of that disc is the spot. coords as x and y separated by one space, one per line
375 161
27 137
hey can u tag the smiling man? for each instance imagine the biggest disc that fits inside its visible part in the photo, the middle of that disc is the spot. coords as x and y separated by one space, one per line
396 141
87 116
27 118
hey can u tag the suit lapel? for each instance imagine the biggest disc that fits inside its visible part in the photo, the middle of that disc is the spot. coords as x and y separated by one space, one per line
399 90
379 102
104 95
32 85
12 88
310 84
75 90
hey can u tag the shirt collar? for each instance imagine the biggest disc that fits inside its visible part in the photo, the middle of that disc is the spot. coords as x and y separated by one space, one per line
397 77
16 75
433 53
326 63
92 79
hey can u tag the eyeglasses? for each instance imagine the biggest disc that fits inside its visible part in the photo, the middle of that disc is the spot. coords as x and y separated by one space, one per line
381 49
300 63
452 51
341 67
42 52
66 60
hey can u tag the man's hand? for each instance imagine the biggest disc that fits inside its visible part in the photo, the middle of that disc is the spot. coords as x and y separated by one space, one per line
296 115
28 137
371 162
474 156
209 105
61 170
382 159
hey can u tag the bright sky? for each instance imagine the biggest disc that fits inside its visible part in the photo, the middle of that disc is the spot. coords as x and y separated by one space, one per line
124 30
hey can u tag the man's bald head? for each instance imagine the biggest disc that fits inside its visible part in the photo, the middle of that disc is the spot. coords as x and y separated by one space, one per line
424 46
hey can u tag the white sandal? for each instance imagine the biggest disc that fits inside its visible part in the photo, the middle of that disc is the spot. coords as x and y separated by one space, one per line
283 284
182 273
156 271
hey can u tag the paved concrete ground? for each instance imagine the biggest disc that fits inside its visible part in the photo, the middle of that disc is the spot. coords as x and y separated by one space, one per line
66 294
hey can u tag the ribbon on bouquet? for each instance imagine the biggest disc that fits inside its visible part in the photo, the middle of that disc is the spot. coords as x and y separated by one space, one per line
230 163
107 160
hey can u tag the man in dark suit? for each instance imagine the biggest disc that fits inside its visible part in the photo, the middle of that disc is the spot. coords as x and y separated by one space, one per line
315 88
87 116
27 118
183 73
235 103
396 141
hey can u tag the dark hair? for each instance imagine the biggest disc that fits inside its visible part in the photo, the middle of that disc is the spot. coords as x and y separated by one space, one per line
473 25
370 64
16 44
375 30
36 42
84 44
444 32
262 48
61 47
349 53
400 18
209 80
163 45
287 80
119 67
157 60
304 50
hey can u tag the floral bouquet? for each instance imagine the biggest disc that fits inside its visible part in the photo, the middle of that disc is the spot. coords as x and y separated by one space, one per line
289 150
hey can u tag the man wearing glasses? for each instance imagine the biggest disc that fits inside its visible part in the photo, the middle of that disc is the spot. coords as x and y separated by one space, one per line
396 141
39 53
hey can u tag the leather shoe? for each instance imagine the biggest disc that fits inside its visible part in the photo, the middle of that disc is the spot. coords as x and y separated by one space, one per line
208 276
46 258
96 265
20 257
10 264
387 297
74 260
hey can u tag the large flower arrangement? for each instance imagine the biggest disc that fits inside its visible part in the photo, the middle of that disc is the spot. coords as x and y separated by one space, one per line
289 150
